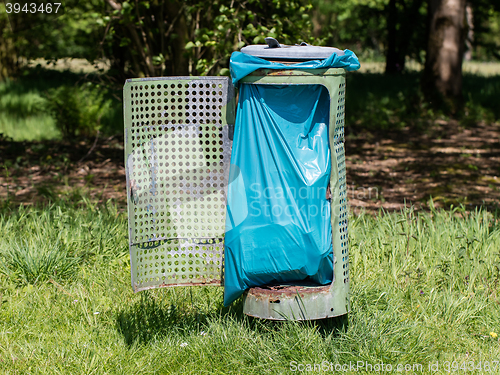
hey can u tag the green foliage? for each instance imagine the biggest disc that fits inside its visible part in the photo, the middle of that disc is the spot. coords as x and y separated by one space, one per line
378 101
78 110
15 102
475 112
359 25
364 27
178 38
69 33
27 114
486 20
374 101
154 38
232 27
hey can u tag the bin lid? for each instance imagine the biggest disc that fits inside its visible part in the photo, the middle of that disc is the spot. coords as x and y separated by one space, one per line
274 50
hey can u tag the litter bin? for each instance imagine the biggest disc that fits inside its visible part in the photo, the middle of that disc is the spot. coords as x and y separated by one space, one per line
292 264
185 190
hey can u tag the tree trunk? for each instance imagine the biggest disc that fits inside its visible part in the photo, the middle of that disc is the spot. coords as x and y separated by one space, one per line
9 56
470 32
442 81
402 23
394 62
179 65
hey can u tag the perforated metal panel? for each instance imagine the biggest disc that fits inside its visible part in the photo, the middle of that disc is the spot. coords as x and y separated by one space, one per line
178 140
341 167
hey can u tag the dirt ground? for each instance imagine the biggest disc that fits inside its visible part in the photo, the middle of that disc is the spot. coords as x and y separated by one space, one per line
451 164
385 169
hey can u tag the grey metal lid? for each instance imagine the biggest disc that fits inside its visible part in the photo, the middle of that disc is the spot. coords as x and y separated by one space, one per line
275 50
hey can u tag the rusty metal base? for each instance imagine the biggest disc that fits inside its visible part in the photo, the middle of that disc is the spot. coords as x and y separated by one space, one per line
298 301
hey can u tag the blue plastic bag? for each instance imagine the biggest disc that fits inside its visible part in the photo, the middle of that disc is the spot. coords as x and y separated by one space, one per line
242 64
278 225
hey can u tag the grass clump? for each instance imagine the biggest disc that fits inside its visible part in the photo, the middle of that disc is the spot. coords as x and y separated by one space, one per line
35 260
46 242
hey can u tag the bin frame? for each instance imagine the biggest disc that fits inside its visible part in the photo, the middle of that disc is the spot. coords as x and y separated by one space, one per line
303 301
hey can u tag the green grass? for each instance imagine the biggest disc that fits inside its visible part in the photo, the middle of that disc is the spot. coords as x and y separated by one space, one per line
24 109
22 116
424 289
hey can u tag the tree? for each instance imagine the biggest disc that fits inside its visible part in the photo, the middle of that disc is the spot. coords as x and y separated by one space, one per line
373 28
8 52
174 37
405 33
442 79
68 33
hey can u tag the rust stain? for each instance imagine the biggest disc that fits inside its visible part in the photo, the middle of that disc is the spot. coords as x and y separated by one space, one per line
274 292
273 72
295 72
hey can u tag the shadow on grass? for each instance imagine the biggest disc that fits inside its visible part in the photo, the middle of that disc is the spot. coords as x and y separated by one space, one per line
325 327
156 314
335 326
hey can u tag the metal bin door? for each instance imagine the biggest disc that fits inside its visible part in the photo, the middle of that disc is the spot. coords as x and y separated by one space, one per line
178 140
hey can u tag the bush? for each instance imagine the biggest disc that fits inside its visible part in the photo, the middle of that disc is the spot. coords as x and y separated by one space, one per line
77 110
